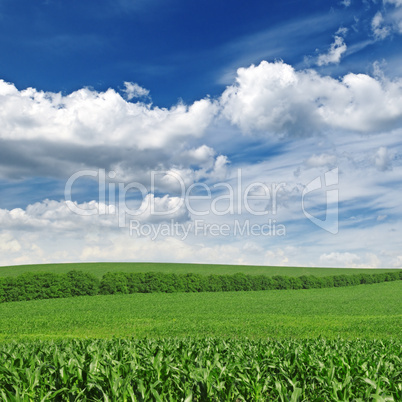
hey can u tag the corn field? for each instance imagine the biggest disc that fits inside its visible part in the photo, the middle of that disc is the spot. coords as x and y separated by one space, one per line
210 369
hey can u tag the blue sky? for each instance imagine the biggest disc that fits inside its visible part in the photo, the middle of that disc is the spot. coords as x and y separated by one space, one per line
282 91
176 49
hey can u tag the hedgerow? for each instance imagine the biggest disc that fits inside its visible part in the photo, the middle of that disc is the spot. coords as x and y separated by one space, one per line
151 282
34 286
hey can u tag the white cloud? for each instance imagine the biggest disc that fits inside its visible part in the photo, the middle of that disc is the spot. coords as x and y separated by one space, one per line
53 134
321 160
342 31
159 209
380 31
60 217
49 232
203 156
90 118
55 216
351 260
60 134
274 98
276 257
382 159
133 90
220 167
166 250
387 21
397 263
335 52
346 3
395 17
8 244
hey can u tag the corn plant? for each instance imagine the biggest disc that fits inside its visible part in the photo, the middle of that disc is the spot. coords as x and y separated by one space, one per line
201 369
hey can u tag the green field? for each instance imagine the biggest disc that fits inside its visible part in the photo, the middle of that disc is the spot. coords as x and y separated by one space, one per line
364 311
328 344
100 268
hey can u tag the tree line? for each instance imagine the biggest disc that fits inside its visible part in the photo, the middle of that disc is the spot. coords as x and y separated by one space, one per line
34 286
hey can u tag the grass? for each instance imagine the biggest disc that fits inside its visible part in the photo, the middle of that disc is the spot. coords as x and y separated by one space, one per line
100 268
365 311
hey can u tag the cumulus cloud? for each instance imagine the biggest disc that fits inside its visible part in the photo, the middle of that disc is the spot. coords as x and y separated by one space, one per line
55 216
203 156
212 166
8 244
67 218
220 167
54 135
46 133
49 231
91 118
160 209
274 98
335 52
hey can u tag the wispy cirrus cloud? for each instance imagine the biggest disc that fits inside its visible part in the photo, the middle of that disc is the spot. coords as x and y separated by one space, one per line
277 42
